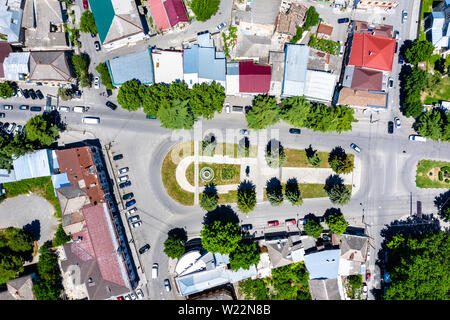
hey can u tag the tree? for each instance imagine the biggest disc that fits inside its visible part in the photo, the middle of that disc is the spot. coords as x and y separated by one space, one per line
418 266
264 112
65 93
210 198
290 282
295 110
312 18
60 237
345 118
10 265
6 90
105 77
253 289
48 285
313 228
274 192
245 255
336 222
87 22
40 131
152 97
313 157
204 9
209 146
338 194
176 114
340 162
220 236
207 99
81 68
293 193
246 197
414 83
431 125
174 246
275 155
17 240
128 96
322 118
421 50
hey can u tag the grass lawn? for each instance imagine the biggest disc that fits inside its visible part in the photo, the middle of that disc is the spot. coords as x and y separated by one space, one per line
42 186
310 190
169 179
297 158
439 92
423 178
427 6
231 150
218 169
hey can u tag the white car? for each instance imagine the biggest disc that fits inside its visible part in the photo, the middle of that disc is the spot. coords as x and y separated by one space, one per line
127 297
122 179
167 285
63 109
133 219
97 83
355 147
415 137
133 296
227 108
364 289
244 132
404 16
140 294
155 271
397 122
221 26
131 211
136 224
123 170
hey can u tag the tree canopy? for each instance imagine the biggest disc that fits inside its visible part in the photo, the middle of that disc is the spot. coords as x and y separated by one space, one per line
313 228
87 22
413 84
337 223
176 114
48 285
263 113
275 155
295 110
209 198
80 64
341 162
105 77
204 9
174 246
421 50
40 131
6 90
274 192
60 237
220 236
293 193
431 124
312 18
206 100
128 96
338 194
246 197
246 254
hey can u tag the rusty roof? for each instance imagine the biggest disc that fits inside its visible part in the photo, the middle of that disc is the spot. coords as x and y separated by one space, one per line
325 29
361 98
294 16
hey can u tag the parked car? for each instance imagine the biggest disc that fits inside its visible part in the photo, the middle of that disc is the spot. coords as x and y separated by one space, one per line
155 271
246 227
18 93
390 127
131 211
23 107
355 147
111 105
39 94
144 249
128 196
294 131
416 137
97 46
32 94
400 59
387 277
118 157
18 129
227 108
36 109
343 20
26 93
93 35
341 50
124 184
273 223
7 107
221 26
396 47
167 285
391 82
133 296
127 297
368 275
122 179
364 289
243 132
290 222
97 83
2 114
63 109
123 170
397 34
85 4
10 128
140 294
397 122
5 126
119 298
136 224
404 16
130 203
133 219
148 116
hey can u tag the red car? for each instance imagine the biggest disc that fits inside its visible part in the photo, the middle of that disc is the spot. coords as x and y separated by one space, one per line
85 4
273 223
290 222
120 298
368 276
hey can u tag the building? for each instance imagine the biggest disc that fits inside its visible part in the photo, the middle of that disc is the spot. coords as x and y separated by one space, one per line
167 65
254 78
43 26
289 19
359 78
437 25
354 250
375 29
137 65
370 4
319 86
19 289
252 47
295 66
283 249
258 18
373 52
326 289
324 31
118 22
168 14
49 67
16 67
276 60
362 98
232 78
71 201
10 21
5 50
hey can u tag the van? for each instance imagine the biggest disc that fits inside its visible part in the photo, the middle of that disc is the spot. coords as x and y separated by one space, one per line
155 271
415 137
79 109
91 120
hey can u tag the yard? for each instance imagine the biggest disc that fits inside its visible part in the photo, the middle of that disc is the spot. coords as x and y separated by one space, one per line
297 158
230 150
223 173
440 92
433 174
310 190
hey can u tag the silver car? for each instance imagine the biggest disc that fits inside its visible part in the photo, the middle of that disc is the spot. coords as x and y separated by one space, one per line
355 147
167 285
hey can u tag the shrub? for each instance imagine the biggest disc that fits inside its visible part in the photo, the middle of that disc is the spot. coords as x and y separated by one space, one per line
447 180
227 174
441 176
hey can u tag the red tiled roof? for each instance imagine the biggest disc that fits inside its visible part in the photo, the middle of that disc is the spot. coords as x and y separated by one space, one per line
374 52
83 249
5 49
104 248
176 11
159 14
325 29
366 79
254 78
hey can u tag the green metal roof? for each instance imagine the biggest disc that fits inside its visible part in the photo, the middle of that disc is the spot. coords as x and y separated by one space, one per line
103 12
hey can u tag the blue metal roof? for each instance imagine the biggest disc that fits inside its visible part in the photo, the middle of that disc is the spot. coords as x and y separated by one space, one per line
295 65
210 67
190 59
33 165
60 180
233 68
136 65
323 264
204 40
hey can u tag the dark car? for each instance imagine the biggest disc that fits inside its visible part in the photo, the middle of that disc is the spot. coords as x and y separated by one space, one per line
39 94
93 35
111 105
246 227
390 127
118 157
144 249
294 131
26 93
97 46
23 107
124 184
128 196
130 203
150 117
35 109
2 114
343 20
400 59
32 94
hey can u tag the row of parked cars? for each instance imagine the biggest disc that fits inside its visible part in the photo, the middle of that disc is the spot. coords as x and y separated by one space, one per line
133 296
8 107
29 93
11 128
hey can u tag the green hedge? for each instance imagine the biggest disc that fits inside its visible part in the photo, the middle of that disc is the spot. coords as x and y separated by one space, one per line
441 176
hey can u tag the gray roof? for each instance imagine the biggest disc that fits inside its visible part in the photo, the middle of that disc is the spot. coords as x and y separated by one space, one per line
49 65
137 65
6 176
16 65
327 289
295 67
10 21
19 289
33 165
261 12
354 247
251 46
70 192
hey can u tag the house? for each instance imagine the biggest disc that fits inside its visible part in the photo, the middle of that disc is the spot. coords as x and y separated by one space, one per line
354 250
359 78
71 201
254 78
258 18
295 66
373 52
49 67
437 25
137 65
363 98
10 22
167 14
167 65
252 47
19 289
326 289
283 249
370 4
375 29
276 60
324 31
118 22
232 78
319 86
288 20
16 66
5 50
43 26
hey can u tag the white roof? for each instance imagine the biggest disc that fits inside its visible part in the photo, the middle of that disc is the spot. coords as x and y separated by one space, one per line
15 64
33 165
296 63
320 85
167 66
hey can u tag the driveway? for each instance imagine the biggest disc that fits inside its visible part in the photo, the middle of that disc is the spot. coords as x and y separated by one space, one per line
31 213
